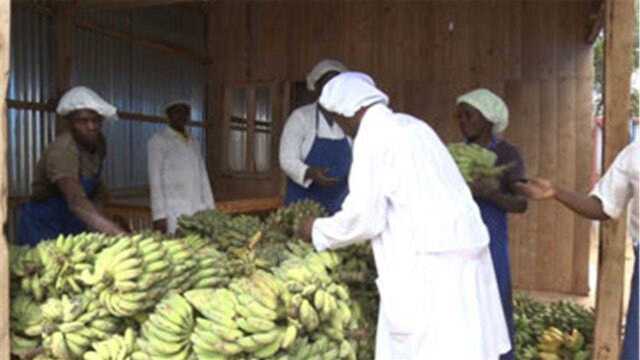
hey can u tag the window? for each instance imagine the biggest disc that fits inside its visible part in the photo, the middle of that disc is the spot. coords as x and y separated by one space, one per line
249 115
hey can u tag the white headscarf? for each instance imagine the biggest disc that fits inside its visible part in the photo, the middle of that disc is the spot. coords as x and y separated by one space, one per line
81 97
490 105
321 69
171 104
348 92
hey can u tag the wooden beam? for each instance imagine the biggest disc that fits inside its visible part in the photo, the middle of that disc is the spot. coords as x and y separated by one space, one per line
618 47
5 19
129 4
596 23
63 19
148 43
29 105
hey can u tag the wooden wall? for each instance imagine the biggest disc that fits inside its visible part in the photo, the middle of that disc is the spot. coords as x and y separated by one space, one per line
424 54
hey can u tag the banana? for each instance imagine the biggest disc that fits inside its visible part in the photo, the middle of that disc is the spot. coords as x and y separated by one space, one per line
225 333
289 336
151 331
128 275
165 348
158 266
128 264
268 350
104 325
125 286
268 337
261 325
59 346
161 322
78 340
71 327
154 256
308 316
257 310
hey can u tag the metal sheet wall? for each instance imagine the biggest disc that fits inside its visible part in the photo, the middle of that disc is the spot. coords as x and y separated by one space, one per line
139 80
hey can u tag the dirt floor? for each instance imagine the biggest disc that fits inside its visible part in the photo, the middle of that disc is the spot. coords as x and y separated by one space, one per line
590 300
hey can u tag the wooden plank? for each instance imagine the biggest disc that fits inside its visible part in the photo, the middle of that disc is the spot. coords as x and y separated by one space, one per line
250 159
618 45
514 38
479 52
5 50
270 59
29 105
582 232
531 152
127 4
359 37
549 164
532 36
566 177
568 39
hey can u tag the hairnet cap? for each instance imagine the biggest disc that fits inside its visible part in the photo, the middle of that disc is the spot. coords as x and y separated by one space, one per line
348 92
321 69
490 105
171 104
81 97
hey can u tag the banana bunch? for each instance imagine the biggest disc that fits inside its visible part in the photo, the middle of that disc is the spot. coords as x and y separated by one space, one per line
118 347
283 224
184 265
70 325
320 348
24 314
207 224
475 162
551 341
167 332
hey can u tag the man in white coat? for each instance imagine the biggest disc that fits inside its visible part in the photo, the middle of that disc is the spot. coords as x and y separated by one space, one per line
177 173
438 293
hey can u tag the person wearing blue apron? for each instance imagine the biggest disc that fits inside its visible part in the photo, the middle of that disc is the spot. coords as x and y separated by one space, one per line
67 176
482 115
616 191
315 154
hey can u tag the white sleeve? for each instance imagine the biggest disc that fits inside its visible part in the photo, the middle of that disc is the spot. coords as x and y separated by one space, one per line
155 157
290 144
615 188
363 214
207 194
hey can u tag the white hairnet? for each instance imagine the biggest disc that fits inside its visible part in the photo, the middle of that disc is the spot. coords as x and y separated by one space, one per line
322 68
490 105
348 92
171 104
81 97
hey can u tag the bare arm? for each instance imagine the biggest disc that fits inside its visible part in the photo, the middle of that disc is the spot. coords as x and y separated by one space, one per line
512 203
82 207
585 205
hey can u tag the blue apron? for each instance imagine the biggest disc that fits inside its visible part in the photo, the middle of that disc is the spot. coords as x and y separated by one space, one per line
47 219
335 155
495 219
630 345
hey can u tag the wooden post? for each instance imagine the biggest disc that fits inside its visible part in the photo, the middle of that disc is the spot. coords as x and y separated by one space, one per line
619 24
64 52
5 20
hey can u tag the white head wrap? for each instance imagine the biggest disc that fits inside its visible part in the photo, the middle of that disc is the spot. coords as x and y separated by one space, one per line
348 92
490 105
81 97
171 104
322 68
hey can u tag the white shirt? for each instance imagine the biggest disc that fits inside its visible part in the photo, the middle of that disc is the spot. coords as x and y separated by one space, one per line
406 194
297 139
619 186
177 176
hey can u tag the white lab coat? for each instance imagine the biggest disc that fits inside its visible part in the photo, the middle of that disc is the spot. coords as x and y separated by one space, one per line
439 295
298 136
177 176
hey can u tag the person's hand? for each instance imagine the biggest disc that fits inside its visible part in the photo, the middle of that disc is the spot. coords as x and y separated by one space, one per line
537 189
320 176
484 188
160 225
120 221
305 229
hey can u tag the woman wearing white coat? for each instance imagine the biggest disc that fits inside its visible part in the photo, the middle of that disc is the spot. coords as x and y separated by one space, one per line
177 173
438 292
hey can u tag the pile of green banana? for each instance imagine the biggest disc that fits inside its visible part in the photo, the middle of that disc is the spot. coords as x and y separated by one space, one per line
294 311
223 230
118 347
556 345
560 330
475 162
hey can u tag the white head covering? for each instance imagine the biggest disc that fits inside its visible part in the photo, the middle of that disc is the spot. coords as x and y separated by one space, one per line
322 68
171 104
490 105
81 97
348 92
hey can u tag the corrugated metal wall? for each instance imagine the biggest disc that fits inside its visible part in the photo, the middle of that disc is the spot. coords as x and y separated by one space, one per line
140 80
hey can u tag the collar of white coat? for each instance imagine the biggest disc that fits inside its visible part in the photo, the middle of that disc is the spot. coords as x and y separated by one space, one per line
186 137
